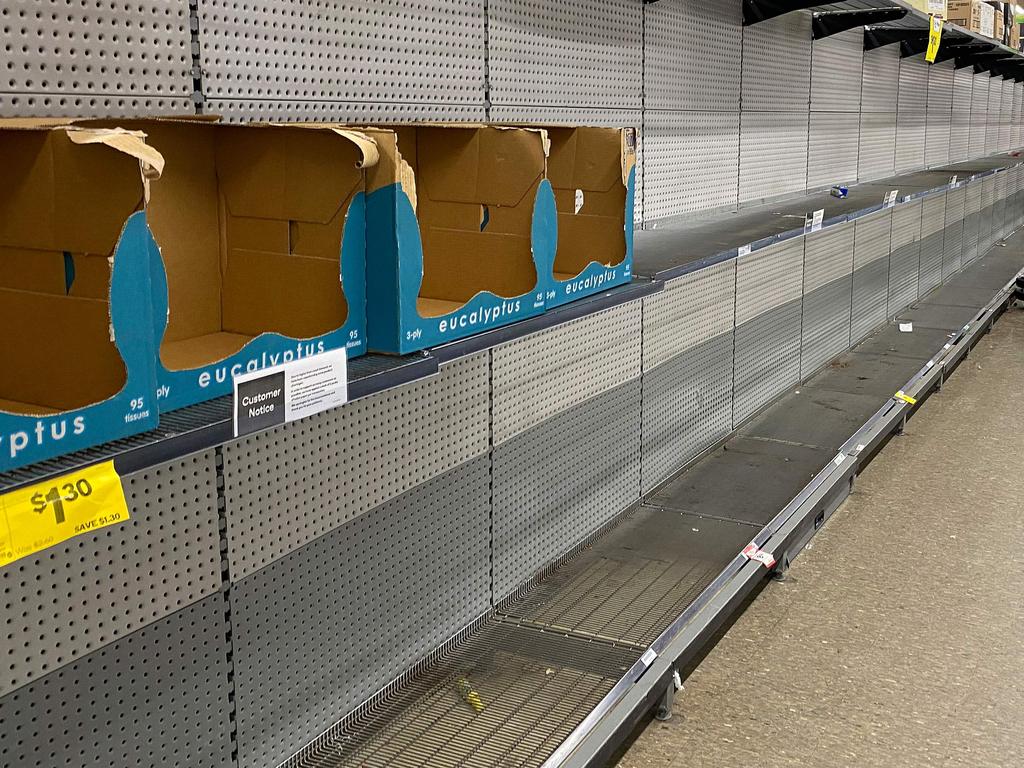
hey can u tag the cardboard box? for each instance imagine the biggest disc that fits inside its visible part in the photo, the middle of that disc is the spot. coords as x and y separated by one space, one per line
1015 36
932 7
75 308
461 233
1000 24
974 15
592 173
261 231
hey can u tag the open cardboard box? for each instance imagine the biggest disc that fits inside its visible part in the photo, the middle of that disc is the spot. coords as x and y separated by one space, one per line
592 172
460 232
76 367
262 247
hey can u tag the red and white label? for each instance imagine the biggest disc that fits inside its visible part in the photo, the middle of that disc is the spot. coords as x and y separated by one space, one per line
752 552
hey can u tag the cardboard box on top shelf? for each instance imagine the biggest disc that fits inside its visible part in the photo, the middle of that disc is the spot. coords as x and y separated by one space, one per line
1000 23
593 174
75 296
461 232
261 232
974 15
1015 35
931 7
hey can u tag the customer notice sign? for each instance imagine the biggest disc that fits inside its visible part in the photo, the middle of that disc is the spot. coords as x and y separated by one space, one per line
294 390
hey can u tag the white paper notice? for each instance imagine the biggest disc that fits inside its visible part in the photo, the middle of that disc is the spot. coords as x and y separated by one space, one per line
743 250
906 327
814 220
272 396
579 200
890 199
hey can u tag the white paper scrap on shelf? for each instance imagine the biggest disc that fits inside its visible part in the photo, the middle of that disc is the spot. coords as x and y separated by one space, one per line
906 327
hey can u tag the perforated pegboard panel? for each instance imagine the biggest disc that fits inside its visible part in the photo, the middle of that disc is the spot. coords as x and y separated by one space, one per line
101 59
960 124
285 111
773 154
779 266
777 63
985 240
1006 120
1017 137
832 148
538 376
870 273
905 258
972 221
155 697
828 285
322 629
937 137
690 58
79 596
836 70
999 228
877 152
561 480
691 162
940 88
933 217
291 51
687 407
289 485
995 97
953 238
913 85
612 118
689 311
880 86
910 141
575 53
979 114
766 360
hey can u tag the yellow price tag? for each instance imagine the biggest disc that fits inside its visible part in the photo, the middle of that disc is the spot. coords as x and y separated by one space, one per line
38 516
934 38
901 395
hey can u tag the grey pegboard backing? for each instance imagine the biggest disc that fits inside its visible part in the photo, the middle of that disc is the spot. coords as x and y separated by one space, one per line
905 258
910 140
953 238
87 592
537 376
97 59
833 148
960 126
289 485
768 278
612 118
826 324
933 214
877 151
979 114
283 111
913 85
573 53
999 207
773 154
1006 119
329 51
938 132
940 88
766 360
700 148
1017 119
156 697
560 481
777 64
828 256
687 407
933 222
690 310
995 98
691 59
880 84
836 70
985 239
870 273
322 629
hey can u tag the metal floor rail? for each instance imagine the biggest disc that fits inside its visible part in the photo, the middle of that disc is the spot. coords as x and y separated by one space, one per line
560 674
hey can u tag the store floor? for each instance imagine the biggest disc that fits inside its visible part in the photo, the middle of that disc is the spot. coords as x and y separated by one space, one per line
897 638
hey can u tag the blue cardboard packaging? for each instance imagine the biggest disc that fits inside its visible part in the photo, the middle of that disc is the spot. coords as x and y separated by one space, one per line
261 237
75 298
460 233
593 174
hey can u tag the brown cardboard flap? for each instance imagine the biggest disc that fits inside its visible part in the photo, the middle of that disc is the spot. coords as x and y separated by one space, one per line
583 239
28 270
293 295
494 166
201 350
457 265
585 158
61 196
41 329
286 173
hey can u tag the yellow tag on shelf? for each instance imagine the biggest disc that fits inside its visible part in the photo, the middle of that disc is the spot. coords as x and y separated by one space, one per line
934 38
38 516
901 395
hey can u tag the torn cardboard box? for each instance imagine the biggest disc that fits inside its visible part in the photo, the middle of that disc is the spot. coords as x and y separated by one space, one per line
75 294
261 231
592 172
460 231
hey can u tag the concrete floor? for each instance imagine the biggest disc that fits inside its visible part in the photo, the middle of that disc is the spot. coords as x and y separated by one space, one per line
898 637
